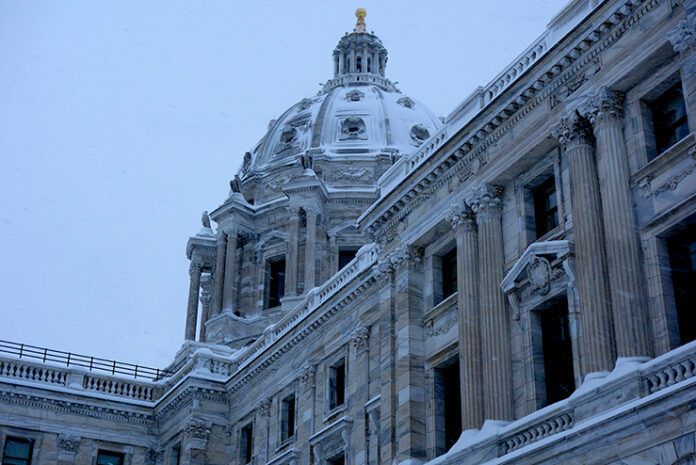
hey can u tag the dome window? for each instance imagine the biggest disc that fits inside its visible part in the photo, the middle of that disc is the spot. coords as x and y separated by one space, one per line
353 128
288 135
358 64
406 102
419 133
354 95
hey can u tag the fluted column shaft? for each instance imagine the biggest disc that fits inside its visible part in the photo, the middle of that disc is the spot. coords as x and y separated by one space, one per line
293 252
495 336
218 277
470 374
310 250
623 249
592 283
229 300
192 311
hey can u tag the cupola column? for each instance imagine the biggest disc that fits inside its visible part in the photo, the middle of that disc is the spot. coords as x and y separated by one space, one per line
293 251
192 311
623 249
352 60
206 298
464 224
486 203
310 248
575 134
340 62
230 287
218 277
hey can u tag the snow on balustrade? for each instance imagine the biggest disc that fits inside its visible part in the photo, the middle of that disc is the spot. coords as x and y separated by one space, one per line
121 388
364 259
41 374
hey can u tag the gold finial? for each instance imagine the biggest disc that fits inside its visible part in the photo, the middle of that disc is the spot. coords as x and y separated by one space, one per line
360 13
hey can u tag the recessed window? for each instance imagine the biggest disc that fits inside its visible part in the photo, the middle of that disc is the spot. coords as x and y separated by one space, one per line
287 417
109 458
176 455
17 451
358 64
275 282
345 256
449 273
448 402
246 441
682 260
337 384
669 118
336 460
558 355
545 206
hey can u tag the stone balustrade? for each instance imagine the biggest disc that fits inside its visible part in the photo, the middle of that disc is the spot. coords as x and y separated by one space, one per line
148 392
30 372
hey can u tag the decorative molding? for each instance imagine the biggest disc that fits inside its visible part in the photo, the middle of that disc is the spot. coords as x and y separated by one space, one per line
68 443
683 37
605 107
198 429
360 338
574 130
461 215
539 274
485 200
308 374
265 407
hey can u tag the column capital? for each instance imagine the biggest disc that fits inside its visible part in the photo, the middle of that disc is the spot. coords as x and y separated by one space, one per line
360 338
68 443
404 256
265 407
312 210
461 216
231 233
195 268
683 37
574 130
294 212
605 107
308 374
486 199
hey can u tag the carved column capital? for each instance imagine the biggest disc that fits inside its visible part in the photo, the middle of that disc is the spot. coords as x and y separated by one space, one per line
308 374
312 210
605 107
461 216
294 212
221 237
68 443
198 429
195 268
404 256
486 200
683 37
574 130
155 455
265 408
360 338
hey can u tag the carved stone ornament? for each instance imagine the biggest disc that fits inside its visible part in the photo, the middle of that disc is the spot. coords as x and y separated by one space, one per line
355 95
308 374
198 429
235 184
360 338
195 268
205 220
246 164
574 130
265 407
486 199
350 174
155 455
605 106
539 274
683 38
460 214
353 128
68 443
304 104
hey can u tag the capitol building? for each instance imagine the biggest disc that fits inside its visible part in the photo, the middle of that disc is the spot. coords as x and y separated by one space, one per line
514 283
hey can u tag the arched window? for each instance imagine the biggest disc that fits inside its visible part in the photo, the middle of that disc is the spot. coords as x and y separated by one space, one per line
369 65
358 64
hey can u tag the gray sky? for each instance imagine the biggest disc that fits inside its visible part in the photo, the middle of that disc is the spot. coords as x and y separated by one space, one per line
121 121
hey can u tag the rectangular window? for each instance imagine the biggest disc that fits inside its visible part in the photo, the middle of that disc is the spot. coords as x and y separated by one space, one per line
345 256
17 451
336 460
109 458
287 418
545 206
449 273
247 443
337 384
558 355
448 402
176 455
275 282
669 118
682 260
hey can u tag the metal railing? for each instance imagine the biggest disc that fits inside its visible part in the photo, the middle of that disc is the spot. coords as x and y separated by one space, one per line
90 363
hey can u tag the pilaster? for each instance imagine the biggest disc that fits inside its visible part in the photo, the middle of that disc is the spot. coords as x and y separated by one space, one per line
192 310
229 300
486 203
293 252
310 248
387 362
218 277
463 222
358 378
575 135
620 228
262 439
306 408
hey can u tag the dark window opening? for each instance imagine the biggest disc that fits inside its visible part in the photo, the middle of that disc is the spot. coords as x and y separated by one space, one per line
545 206
449 273
337 384
176 455
287 418
558 355
358 64
449 404
275 278
345 257
669 118
246 443
109 458
369 65
17 451
336 460
682 260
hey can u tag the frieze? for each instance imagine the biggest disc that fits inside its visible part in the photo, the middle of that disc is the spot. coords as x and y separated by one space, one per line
68 443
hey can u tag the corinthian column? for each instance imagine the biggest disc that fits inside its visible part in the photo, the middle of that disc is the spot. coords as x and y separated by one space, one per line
192 311
486 202
229 300
620 230
310 249
218 278
464 223
206 297
575 134
293 252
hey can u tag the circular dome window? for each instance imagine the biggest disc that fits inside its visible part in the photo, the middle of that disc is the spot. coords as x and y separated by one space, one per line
419 133
353 128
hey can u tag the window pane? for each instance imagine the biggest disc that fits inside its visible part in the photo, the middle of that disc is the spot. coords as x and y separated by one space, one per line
669 118
449 273
109 458
17 449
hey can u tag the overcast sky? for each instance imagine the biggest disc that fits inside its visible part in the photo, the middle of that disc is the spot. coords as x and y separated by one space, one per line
121 121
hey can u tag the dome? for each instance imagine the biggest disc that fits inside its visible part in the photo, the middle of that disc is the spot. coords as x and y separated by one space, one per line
357 115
